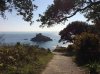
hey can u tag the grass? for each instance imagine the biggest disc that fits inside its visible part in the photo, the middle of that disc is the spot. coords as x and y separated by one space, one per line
23 59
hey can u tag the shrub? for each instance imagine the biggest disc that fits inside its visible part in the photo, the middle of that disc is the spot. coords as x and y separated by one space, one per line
22 59
87 48
70 50
93 67
60 49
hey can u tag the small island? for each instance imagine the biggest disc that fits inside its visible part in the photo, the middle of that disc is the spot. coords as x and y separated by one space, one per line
41 38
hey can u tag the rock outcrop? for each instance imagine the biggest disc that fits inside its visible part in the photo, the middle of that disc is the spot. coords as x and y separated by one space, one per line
41 38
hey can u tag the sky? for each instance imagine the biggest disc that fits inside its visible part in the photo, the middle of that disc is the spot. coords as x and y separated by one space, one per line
15 23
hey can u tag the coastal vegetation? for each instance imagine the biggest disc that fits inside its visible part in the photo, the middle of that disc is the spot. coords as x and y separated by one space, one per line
85 38
23 59
84 47
87 46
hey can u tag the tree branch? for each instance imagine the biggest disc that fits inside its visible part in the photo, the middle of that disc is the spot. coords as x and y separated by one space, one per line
78 10
90 1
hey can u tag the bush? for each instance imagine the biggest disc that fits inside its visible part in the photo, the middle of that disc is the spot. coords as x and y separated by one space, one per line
22 59
70 50
93 67
87 48
60 49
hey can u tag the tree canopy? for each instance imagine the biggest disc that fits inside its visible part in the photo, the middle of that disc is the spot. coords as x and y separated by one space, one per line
23 7
57 12
61 10
75 28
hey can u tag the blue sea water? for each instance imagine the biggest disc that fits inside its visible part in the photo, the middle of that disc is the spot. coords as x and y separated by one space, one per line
24 38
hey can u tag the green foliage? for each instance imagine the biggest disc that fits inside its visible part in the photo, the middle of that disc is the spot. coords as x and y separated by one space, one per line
93 67
87 48
70 50
60 49
23 7
94 15
22 59
61 10
75 28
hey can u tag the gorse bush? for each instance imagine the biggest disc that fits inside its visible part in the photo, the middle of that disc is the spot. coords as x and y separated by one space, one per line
70 50
22 59
87 48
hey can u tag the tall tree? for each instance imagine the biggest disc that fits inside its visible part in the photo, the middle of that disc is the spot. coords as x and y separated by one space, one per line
75 28
61 10
23 7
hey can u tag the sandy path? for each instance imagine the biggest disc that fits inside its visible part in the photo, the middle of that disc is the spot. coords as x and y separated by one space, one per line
61 64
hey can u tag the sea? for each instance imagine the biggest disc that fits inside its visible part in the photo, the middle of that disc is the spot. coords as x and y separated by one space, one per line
12 38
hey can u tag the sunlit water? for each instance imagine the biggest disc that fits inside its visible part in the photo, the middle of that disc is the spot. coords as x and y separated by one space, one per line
24 38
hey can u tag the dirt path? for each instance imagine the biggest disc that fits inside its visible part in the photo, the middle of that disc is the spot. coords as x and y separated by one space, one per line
61 64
